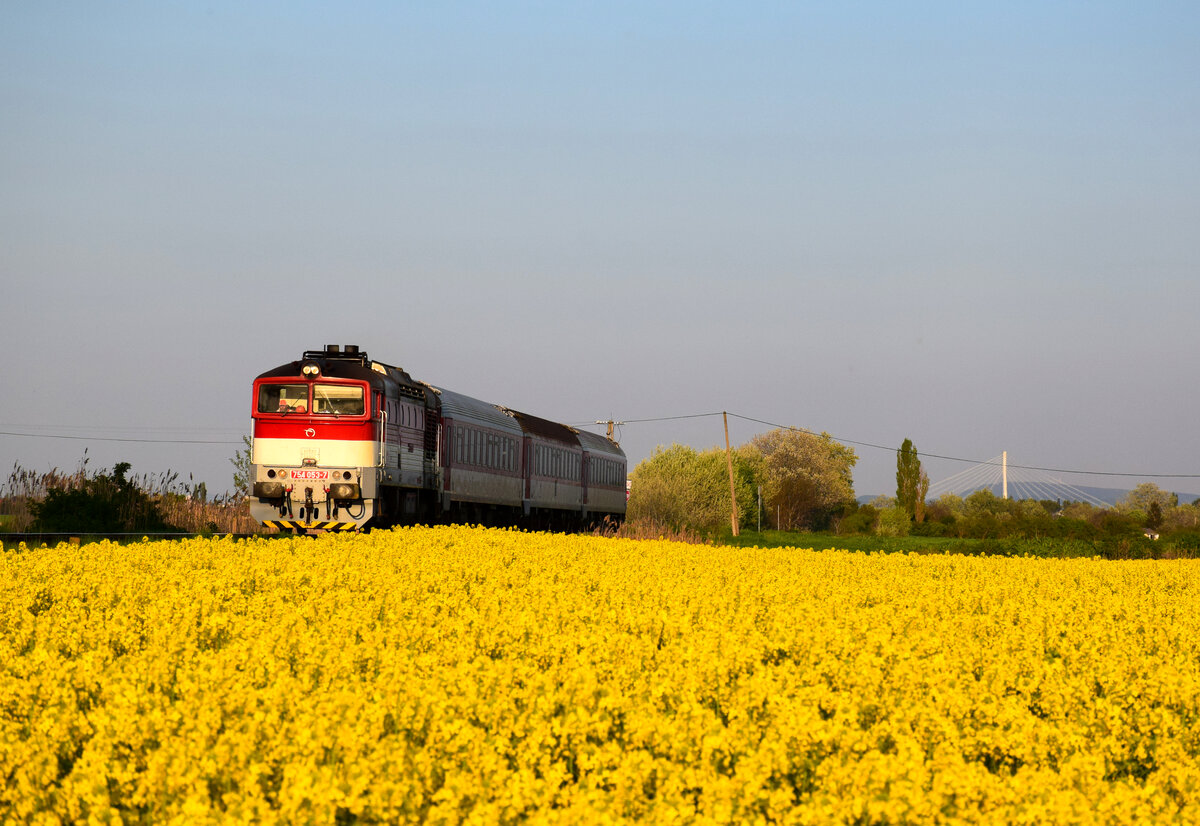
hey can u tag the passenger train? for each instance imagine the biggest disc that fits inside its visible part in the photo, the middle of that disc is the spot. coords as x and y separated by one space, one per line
341 442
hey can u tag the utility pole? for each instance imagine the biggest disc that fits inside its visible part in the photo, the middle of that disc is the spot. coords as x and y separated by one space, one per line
1004 473
611 424
729 462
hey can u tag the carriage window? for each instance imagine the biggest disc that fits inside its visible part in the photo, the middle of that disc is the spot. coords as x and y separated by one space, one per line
339 400
282 398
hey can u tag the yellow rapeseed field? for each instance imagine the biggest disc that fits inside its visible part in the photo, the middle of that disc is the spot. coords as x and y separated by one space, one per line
458 674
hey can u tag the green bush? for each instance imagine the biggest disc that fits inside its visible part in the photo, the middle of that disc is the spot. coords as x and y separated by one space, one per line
928 528
893 521
1186 542
103 503
859 519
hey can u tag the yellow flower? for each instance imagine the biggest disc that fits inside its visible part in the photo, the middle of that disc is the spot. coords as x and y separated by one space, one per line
456 674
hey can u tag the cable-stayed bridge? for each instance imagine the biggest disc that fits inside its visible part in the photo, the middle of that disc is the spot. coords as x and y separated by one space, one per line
1011 483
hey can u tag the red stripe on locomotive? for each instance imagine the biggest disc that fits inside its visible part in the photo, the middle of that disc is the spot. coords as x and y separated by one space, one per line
289 428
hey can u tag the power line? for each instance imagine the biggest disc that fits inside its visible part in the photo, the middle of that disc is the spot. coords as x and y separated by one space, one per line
140 427
814 433
859 443
989 461
114 438
925 455
657 419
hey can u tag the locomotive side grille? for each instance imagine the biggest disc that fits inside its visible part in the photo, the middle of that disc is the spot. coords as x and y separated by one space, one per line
431 437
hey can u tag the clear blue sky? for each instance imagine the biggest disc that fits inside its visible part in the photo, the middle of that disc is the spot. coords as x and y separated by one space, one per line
973 225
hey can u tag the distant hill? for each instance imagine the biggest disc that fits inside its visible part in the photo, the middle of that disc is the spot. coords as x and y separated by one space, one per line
1109 496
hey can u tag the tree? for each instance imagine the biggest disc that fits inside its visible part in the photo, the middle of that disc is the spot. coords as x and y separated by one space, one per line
894 521
947 510
241 469
1154 517
677 487
807 478
922 492
1141 497
912 484
657 486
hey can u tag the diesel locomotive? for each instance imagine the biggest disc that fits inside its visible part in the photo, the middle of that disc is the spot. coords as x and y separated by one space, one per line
342 442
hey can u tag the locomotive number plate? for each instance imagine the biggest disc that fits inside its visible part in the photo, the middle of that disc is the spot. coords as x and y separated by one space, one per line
310 474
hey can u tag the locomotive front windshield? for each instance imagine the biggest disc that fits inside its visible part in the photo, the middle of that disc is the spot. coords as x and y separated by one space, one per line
327 399
338 399
283 398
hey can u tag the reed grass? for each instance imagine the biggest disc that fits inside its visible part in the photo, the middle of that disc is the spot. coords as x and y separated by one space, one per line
183 504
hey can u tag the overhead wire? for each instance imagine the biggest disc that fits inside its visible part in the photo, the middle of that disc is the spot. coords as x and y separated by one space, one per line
994 462
119 439
843 440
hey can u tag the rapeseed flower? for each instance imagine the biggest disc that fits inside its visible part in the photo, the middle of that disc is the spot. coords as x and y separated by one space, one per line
459 674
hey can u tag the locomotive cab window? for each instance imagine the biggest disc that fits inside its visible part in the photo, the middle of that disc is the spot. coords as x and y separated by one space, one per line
283 398
339 400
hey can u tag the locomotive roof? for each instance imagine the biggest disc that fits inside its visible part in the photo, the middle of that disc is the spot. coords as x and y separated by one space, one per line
337 363
335 370
343 364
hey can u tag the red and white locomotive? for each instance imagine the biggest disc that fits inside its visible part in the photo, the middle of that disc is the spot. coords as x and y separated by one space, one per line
341 442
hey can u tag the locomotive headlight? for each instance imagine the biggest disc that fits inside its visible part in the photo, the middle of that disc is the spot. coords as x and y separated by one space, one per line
310 371
268 490
342 490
